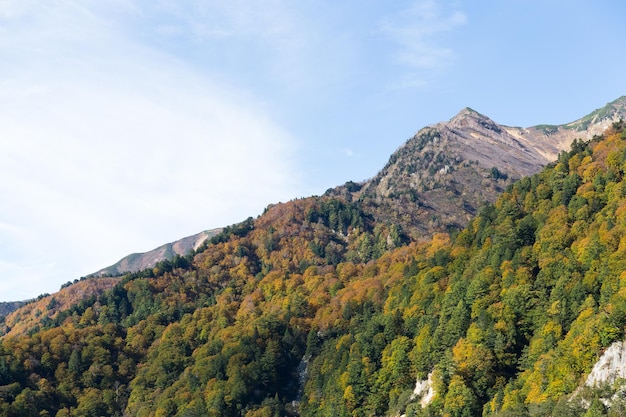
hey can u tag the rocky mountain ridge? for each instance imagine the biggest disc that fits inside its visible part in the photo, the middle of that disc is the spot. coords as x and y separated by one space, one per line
440 177
140 261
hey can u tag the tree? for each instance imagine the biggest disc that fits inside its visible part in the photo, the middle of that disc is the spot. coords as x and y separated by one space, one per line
460 401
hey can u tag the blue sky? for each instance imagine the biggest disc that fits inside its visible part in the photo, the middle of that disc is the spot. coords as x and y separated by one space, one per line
125 124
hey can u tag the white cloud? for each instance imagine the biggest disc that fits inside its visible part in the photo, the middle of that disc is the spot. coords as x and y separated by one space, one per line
416 31
109 147
270 36
271 21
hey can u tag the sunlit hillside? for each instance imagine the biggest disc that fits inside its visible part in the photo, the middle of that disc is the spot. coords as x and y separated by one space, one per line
316 308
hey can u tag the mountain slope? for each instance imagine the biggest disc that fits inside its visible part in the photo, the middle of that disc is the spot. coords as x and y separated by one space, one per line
317 308
585 128
508 318
36 313
139 261
439 178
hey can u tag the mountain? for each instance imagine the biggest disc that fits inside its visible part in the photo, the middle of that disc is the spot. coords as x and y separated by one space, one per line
440 177
140 261
322 307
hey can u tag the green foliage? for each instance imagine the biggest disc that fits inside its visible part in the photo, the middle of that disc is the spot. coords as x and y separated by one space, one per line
315 309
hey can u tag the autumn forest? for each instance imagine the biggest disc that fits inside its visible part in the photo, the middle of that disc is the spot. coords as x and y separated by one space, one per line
319 308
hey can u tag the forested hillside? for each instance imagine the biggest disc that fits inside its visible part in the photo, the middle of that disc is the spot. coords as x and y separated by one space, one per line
315 309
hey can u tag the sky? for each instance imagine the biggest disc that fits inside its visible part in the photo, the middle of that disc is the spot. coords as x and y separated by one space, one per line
127 124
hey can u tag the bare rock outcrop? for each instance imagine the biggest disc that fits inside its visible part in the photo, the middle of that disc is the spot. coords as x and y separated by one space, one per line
610 367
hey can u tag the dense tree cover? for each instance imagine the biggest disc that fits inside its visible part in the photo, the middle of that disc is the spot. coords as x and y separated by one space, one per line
222 330
315 309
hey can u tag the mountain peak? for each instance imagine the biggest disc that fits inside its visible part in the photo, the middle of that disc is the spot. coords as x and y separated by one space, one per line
469 118
467 113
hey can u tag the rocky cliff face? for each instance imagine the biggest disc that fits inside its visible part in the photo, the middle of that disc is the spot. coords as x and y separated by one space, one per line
610 367
606 381
440 177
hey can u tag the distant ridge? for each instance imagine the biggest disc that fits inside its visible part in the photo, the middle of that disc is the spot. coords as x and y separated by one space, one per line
139 261
9 306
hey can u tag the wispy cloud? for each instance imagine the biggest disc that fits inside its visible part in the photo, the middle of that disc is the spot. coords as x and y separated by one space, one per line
271 36
416 31
270 21
108 146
